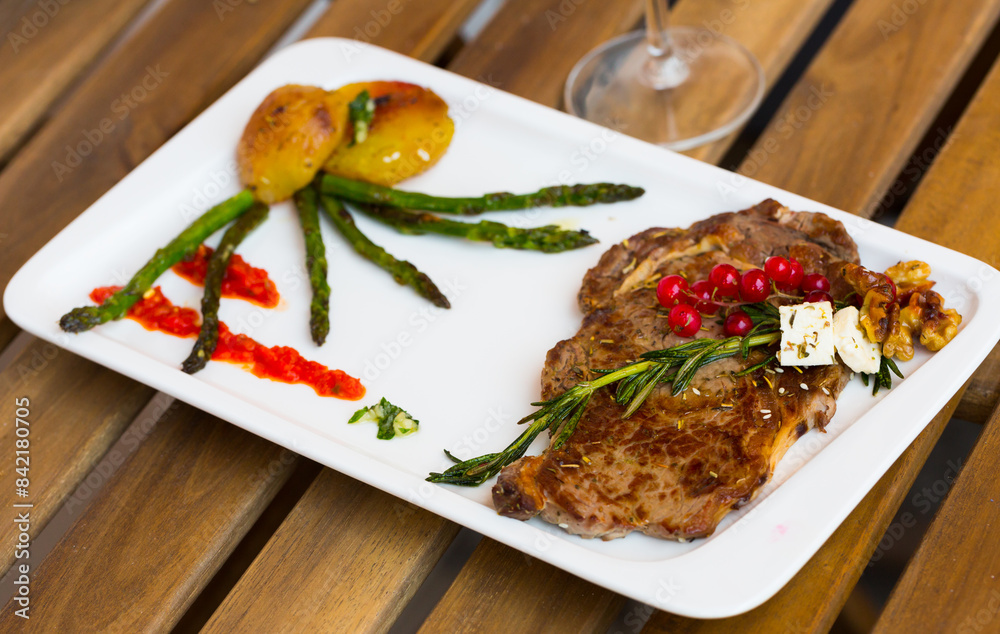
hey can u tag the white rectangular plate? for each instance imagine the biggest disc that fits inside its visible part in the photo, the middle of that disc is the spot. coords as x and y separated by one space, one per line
469 373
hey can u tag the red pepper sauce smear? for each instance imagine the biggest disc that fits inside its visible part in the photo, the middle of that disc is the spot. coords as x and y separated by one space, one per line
278 363
241 281
156 312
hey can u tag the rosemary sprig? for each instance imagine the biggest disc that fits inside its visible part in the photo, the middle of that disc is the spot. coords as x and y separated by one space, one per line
635 383
762 313
882 378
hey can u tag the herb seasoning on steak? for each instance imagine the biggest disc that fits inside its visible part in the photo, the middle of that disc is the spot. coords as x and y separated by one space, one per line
678 464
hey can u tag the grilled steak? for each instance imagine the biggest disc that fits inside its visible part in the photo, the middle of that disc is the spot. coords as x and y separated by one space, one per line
679 464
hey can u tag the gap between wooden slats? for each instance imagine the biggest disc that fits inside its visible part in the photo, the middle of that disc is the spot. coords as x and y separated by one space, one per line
46 47
902 79
44 186
81 408
952 584
151 538
948 218
587 606
978 24
825 577
305 532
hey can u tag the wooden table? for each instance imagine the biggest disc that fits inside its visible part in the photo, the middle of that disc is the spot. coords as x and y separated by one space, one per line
205 525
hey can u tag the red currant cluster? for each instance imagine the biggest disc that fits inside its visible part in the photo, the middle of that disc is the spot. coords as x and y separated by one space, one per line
727 288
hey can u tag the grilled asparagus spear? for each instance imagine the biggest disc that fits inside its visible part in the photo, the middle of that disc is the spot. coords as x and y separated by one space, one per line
208 338
115 307
559 196
549 239
403 272
319 320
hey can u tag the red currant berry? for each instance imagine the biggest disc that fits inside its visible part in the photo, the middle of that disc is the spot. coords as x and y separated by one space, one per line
815 282
778 269
670 290
684 320
726 279
754 286
794 281
737 324
702 292
818 296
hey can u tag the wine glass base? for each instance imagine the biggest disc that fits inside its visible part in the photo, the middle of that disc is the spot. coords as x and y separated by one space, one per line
720 85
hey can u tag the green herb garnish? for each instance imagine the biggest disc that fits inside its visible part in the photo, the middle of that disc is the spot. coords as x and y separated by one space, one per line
361 112
635 383
391 420
882 378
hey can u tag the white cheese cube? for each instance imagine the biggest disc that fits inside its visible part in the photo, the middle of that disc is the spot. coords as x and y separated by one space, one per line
852 343
806 334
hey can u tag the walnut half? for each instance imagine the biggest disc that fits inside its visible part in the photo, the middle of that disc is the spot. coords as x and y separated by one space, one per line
916 309
876 292
937 325
910 277
899 343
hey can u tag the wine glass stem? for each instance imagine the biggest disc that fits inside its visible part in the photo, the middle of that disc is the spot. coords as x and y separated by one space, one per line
664 69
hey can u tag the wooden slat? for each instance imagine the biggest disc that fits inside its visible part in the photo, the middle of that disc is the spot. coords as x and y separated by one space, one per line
500 590
529 47
377 549
46 46
419 29
507 52
347 558
187 56
773 32
984 390
813 598
74 419
820 590
81 423
156 533
951 584
957 203
867 100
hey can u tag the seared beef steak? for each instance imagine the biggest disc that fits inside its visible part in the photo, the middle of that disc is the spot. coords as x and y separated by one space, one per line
679 464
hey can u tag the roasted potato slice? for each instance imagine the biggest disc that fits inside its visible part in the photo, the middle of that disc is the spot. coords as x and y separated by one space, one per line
288 138
411 130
